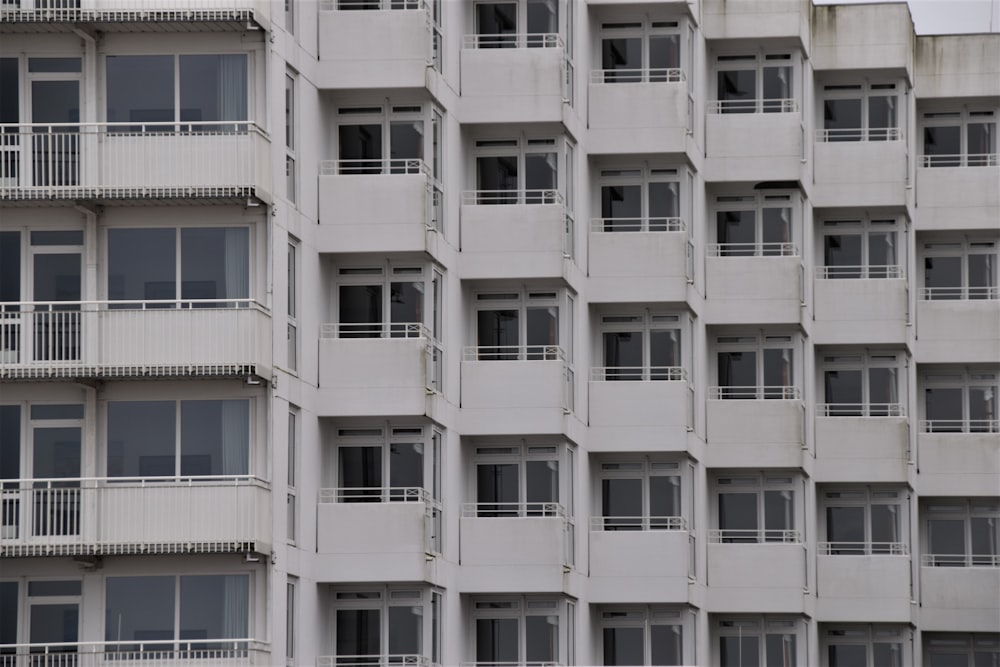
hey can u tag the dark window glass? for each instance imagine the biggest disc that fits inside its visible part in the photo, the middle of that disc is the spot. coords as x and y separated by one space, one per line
497 489
54 64
361 473
10 451
406 306
624 646
541 639
845 530
739 651
215 606
943 146
406 468
620 500
542 486
360 148
10 105
738 513
778 515
881 118
738 374
142 264
943 405
946 541
664 53
496 24
496 640
497 175
405 625
842 255
213 88
664 351
497 333
10 268
780 650
139 609
664 202
666 645
622 203
777 82
406 142
736 232
943 275
843 392
360 311
842 119
140 90
215 263
215 437
543 332
142 438
622 53
540 178
8 614
623 355
738 91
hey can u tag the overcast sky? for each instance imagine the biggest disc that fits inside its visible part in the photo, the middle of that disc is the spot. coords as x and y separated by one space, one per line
935 17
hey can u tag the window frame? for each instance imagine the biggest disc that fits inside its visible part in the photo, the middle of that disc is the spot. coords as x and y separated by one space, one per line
864 91
645 617
518 148
969 643
383 276
382 597
864 226
961 118
863 361
745 626
644 323
643 470
865 497
520 37
757 202
966 510
520 607
738 341
756 61
963 249
643 28
520 453
384 114
867 635
383 436
522 300
758 483
643 176
963 379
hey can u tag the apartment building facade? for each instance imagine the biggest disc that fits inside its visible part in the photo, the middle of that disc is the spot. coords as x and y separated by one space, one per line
526 332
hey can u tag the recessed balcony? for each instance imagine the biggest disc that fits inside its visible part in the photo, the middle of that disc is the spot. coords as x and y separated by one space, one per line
212 652
378 206
640 559
864 167
960 593
756 571
644 259
755 426
753 140
866 442
640 409
126 515
753 283
957 192
128 161
638 111
123 15
958 458
873 575
869 303
958 324
134 339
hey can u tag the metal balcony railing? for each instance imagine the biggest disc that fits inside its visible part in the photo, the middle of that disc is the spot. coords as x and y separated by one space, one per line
960 560
860 410
752 250
755 106
755 393
645 75
637 373
374 494
751 536
963 160
960 293
513 353
538 40
863 549
513 510
376 660
599 225
374 330
124 11
126 515
511 197
616 523
867 272
374 166
133 160
370 5
40 339
510 664
160 653
860 134
959 426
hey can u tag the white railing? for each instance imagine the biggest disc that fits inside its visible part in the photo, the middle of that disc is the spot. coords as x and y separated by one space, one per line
860 410
752 536
959 426
960 560
863 548
860 134
960 293
123 515
129 10
374 330
867 272
159 653
538 40
376 660
513 510
752 250
637 373
511 197
963 160
374 166
134 338
637 225
754 393
646 75
370 5
513 353
204 159
787 105
374 494
614 523
496 663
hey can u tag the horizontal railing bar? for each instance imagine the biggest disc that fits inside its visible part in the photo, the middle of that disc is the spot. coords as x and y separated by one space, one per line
513 353
514 40
960 560
611 523
756 106
756 250
609 225
755 392
383 5
258 644
374 166
669 373
759 535
76 128
382 493
336 330
860 410
124 482
960 293
864 548
514 510
963 426
638 75
108 304
511 197
860 134
960 160
867 271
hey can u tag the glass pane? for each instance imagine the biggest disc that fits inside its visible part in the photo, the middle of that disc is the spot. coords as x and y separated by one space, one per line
623 355
943 408
497 334
406 142
360 311
882 394
777 89
139 609
982 143
777 231
982 276
540 178
622 203
985 540
882 255
360 474
496 176
779 515
142 264
497 22
842 120
358 633
736 233
845 530
542 486
56 452
55 102
664 352
622 53
737 374
142 438
54 624
621 498
885 528
543 332
406 308
543 19
360 148
943 277
10 104
778 373
10 447
664 203
664 499
541 639
738 517
10 263
405 631
57 277
140 89
943 146
843 392
8 614
848 655
214 88
946 541
881 118
215 264
737 91
780 650
664 54
666 645
497 489
624 646
739 652
887 654
982 409
406 469
496 640
842 255
215 437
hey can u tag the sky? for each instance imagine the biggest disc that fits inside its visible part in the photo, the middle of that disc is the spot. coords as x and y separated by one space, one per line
935 17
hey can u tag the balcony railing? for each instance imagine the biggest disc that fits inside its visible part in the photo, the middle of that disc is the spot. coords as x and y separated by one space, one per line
637 225
510 197
963 160
374 330
751 393
376 660
126 515
52 11
960 426
860 410
538 40
497 663
960 560
647 75
53 339
860 134
867 272
374 494
960 293
614 523
752 250
160 653
514 353
370 5
863 548
374 166
637 373
513 510
751 536
787 105
133 160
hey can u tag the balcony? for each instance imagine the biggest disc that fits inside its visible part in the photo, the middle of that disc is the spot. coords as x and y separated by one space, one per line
957 192
376 660
640 409
640 559
852 303
645 259
378 206
958 324
377 369
531 541
638 111
409 524
123 15
381 44
753 140
514 234
864 167
522 78
86 339
126 515
875 576
753 571
877 36
755 426
749 283
224 652
960 593
767 19
958 458
867 442
533 382
134 161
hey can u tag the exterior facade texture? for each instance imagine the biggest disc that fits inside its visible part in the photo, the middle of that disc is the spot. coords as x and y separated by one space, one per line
514 332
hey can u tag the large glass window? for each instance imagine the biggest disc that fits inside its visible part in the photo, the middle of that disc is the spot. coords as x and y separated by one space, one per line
642 635
754 226
637 495
755 367
876 645
960 138
957 649
641 52
756 508
531 23
864 521
755 83
960 269
505 319
640 200
518 630
379 464
385 140
519 171
641 347
861 112
862 248
962 533
384 626
521 480
958 400
755 641
384 302
863 384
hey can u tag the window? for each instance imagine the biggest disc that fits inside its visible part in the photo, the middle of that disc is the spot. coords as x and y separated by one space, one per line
522 23
290 634
862 248
643 635
519 171
384 302
745 641
640 495
505 319
864 521
960 401
861 112
386 140
521 480
962 533
755 366
199 88
387 464
876 645
146 439
640 52
292 475
960 269
756 508
293 305
755 83
201 265
518 630
963 138
290 138
641 200
955 649
863 384
202 610
641 347
757 225
382 626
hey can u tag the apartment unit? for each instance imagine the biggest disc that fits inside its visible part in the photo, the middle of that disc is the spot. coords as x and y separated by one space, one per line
514 332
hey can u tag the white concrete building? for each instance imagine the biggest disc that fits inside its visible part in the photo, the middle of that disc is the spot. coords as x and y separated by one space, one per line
514 332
